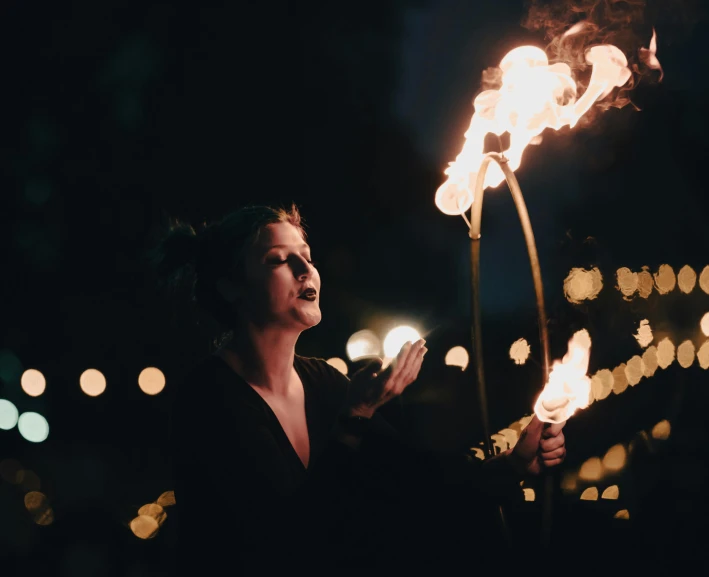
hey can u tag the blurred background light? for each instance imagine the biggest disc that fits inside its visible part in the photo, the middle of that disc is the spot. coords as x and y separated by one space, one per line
612 492
645 283
519 351
650 362
33 427
661 431
665 280
615 457
33 382
590 494
622 514
703 355
627 282
704 279
457 357
362 344
92 382
582 284
686 279
144 527
644 334
339 364
686 354
665 353
704 324
8 414
151 381
397 338
591 470
167 499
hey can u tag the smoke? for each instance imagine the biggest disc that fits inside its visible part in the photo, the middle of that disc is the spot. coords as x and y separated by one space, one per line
571 27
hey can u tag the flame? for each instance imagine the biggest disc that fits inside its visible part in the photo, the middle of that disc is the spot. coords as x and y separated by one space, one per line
533 95
568 388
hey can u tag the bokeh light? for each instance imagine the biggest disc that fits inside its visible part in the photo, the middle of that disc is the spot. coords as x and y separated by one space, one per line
33 427
151 381
339 364
661 431
33 382
92 382
704 280
704 324
612 492
650 362
685 354
38 505
582 284
397 338
645 283
362 344
12 471
665 280
622 514
569 482
528 494
634 370
665 353
687 279
627 282
457 357
620 381
167 499
591 470
519 351
644 334
144 526
615 458
601 384
8 414
703 355
590 494
155 511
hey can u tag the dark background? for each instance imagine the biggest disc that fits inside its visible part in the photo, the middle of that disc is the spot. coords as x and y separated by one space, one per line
118 116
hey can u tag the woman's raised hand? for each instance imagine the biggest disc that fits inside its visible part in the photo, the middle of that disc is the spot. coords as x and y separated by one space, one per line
371 387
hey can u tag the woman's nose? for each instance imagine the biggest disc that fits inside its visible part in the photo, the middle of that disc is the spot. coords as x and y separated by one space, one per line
302 269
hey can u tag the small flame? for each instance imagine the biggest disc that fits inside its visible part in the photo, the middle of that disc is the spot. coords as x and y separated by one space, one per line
569 387
533 95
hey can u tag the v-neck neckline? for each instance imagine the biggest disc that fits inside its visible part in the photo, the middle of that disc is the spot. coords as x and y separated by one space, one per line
270 413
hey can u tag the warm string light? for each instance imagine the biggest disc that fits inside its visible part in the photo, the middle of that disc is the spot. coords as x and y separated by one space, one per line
151 516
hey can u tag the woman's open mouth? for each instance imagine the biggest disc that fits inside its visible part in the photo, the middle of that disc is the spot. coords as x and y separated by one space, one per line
308 294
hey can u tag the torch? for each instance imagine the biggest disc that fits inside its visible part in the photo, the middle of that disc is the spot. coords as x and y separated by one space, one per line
531 95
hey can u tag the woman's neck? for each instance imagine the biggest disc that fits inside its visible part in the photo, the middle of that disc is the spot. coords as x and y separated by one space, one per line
262 357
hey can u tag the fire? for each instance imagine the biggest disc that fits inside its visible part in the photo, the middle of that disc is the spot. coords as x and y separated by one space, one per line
569 387
534 95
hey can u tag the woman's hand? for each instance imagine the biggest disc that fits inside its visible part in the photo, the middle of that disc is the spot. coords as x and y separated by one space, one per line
371 387
539 447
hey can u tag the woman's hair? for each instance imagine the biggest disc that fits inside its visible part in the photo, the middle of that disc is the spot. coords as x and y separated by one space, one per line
192 260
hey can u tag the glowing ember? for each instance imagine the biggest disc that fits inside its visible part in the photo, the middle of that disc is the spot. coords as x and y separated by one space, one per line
685 354
644 336
568 388
534 95
582 284
665 279
519 351
627 282
687 279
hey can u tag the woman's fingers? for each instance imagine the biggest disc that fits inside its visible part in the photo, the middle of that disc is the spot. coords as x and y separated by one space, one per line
413 365
555 454
552 443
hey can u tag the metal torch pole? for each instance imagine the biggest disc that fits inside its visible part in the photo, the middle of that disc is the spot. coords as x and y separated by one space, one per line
475 223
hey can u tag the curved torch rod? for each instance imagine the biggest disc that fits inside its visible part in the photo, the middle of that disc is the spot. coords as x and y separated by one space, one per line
475 221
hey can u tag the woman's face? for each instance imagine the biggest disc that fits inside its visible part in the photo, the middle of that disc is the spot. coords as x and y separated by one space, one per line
282 285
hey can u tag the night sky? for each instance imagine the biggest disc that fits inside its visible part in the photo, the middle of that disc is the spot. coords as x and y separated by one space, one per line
118 116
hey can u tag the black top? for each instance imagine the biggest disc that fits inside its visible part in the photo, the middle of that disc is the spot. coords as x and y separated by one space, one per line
244 498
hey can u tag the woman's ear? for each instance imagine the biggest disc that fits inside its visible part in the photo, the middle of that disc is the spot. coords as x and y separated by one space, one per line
228 290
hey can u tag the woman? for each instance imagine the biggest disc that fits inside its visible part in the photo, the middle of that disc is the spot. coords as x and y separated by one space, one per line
279 457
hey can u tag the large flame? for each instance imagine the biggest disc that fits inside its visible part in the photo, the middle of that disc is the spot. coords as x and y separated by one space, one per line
534 95
568 388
